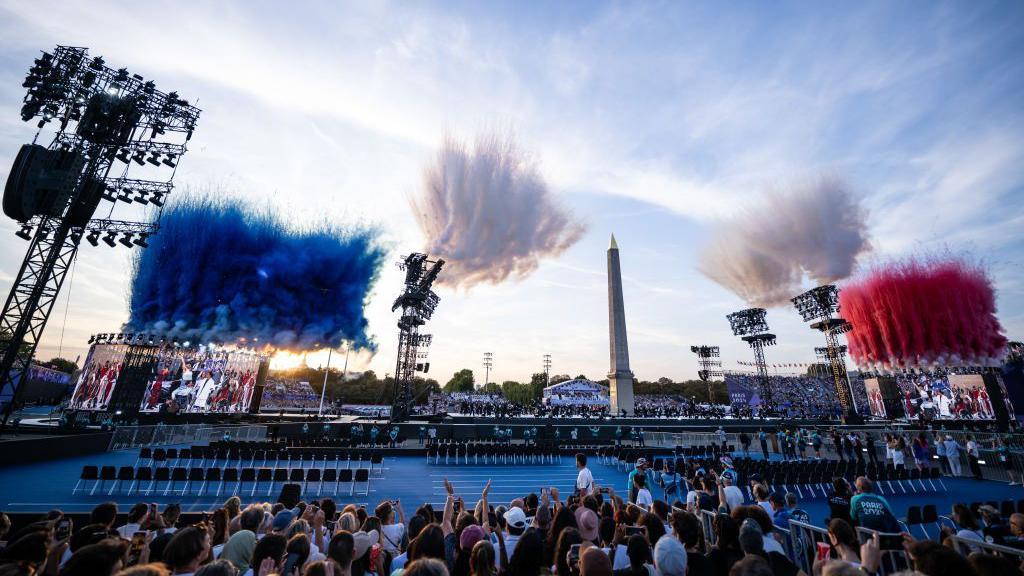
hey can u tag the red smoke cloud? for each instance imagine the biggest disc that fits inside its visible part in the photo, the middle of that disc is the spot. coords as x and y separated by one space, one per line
915 314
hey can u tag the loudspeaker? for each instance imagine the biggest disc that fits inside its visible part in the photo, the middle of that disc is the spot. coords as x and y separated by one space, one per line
290 495
19 192
88 199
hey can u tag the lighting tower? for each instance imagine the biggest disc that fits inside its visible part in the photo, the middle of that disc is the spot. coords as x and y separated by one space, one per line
752 326
819 305
708 364
103 121
417 302
547 368
488 364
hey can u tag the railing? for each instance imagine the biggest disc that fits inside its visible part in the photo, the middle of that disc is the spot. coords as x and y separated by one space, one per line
965 546
707 522
161 435
673 439
805 538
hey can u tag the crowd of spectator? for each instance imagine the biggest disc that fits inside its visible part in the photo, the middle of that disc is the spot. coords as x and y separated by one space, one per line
594 531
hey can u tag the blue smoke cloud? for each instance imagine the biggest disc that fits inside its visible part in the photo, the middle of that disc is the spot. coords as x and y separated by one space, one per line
219 271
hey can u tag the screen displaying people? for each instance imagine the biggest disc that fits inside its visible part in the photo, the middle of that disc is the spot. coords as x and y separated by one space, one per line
201 380
289 395
95 384
945 397
875 401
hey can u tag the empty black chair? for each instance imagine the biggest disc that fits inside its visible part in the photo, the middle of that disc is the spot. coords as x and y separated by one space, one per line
124 474
194 475
914 518
262 475
312 475
161 474
144 474
297 475
145 455
330 477
172 454
178 474
280 475
230 475
212 475
106 473
88 473
362 477
345 477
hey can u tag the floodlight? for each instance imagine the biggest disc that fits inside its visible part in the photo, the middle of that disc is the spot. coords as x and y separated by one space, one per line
109 239
25 233
126 240
93 238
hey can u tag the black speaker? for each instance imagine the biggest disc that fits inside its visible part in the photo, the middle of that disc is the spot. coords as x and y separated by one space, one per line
290 495
19 192
85 205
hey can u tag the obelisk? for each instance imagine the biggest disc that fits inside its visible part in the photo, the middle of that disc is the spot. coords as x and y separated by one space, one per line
620 379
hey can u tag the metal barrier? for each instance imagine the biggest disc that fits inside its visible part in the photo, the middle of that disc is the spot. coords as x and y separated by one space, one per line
805 538
966 546
125 437
707 523
894 557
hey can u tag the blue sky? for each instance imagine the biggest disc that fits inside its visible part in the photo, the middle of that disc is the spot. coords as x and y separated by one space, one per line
649 120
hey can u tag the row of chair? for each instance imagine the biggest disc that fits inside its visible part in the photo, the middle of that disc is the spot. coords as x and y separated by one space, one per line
229 481
819 473
203 457
486 453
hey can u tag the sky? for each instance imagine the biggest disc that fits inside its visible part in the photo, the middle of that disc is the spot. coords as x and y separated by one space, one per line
648 120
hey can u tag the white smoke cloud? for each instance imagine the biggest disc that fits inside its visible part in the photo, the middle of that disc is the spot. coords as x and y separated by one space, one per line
763 253
489 214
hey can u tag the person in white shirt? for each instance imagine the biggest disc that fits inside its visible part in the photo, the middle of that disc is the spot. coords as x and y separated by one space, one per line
392 533
136 520
643 495
731 495
584 480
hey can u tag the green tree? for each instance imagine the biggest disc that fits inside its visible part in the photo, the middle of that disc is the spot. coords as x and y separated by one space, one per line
462 381
491 388
62 364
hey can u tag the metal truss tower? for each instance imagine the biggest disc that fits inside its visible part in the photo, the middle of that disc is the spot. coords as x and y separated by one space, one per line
417 303
103 117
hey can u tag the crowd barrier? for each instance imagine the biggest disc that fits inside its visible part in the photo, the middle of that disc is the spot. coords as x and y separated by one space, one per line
125 437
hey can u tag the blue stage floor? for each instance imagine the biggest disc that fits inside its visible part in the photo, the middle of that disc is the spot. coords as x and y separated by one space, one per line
40 487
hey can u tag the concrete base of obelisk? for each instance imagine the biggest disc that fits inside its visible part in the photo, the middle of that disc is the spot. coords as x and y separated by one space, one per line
620 390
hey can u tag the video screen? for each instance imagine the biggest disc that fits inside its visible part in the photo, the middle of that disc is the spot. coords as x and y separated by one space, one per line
942 397
201 380
96 381
288 395
876 404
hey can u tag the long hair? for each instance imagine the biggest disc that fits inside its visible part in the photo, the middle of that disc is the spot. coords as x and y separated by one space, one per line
481 561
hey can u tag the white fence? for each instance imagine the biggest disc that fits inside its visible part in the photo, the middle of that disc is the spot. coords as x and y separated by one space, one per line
163 435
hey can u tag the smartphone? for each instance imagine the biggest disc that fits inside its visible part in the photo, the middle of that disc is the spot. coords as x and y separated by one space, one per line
135 549
63 529
824 550
290 563
152 511
457 506
891 542
631 530
574 555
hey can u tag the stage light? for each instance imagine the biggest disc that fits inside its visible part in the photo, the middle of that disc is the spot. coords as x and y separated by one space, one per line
123 155
141 198
109 239
158 199
76 236
126 240
154 159
92 339
25 233
108 193
141 240
169 161
93 238
140 158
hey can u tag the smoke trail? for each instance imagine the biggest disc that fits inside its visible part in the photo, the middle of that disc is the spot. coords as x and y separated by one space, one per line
218 271
762 254
489 214
923 314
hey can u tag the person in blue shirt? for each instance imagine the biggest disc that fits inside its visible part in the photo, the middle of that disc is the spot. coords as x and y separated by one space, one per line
871 510
781 514
642 469
763 439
